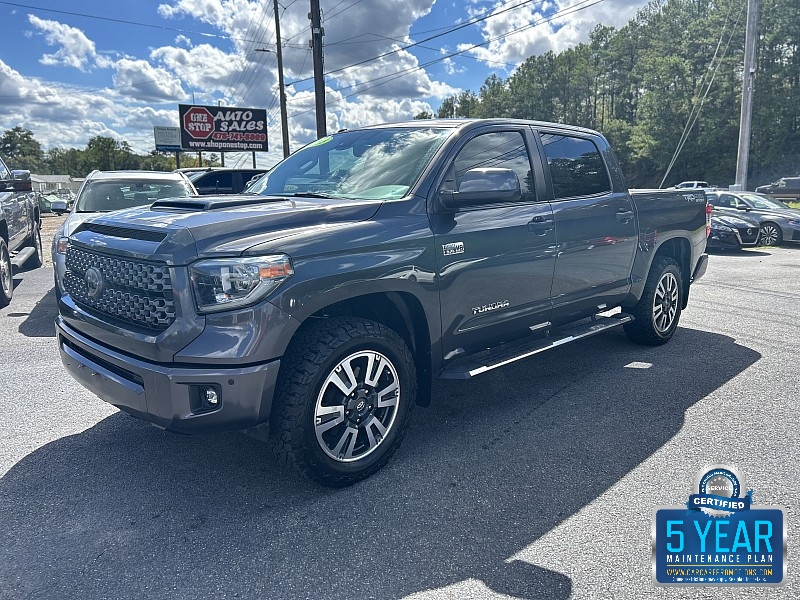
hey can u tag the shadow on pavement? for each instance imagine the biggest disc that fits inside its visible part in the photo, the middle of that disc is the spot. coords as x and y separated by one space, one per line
124 510
40 320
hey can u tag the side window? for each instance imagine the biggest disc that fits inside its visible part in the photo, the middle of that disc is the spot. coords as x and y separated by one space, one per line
4 172
218 182
576 166
504 149
727 200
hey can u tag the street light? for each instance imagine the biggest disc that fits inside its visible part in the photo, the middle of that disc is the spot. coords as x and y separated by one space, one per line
281 89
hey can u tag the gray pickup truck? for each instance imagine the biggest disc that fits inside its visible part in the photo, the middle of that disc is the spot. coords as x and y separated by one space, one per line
318 309
20 224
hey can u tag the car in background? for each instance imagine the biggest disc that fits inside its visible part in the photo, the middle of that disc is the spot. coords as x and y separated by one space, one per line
691 185
20 228
61 201
222 180
786 188
732 232
779 223
106 191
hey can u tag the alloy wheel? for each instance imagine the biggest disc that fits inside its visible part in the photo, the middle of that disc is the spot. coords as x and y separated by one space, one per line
356 406
665 302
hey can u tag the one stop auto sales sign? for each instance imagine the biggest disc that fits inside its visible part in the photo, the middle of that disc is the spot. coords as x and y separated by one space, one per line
223 128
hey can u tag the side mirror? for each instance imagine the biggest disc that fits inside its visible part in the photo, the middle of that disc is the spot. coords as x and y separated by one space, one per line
20 182
483 186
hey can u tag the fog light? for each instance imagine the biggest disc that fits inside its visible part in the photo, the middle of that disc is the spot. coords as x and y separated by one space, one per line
210 396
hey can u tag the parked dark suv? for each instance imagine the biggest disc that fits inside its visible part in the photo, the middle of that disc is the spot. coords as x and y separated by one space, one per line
221 180
786 188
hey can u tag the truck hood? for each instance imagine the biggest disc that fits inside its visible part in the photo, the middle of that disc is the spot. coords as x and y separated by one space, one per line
180 230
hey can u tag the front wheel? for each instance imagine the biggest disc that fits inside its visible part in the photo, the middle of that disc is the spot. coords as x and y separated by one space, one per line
658 311
345 395
6 275
771 234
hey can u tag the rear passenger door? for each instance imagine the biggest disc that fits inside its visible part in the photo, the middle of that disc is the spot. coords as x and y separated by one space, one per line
495 259
596 228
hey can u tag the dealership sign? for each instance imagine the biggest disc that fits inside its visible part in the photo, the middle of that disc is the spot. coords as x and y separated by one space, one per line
223 128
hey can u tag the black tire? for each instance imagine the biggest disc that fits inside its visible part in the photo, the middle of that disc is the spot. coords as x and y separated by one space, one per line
771 234
36 260
659 309
6 275
318 428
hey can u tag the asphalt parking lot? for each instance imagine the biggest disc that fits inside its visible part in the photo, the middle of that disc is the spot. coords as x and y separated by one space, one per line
537 480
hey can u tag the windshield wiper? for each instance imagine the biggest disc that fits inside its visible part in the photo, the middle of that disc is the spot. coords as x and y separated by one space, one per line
313 195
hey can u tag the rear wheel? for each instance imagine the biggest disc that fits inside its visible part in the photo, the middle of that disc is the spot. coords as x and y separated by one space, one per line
344 399
6 275
659 309
771 234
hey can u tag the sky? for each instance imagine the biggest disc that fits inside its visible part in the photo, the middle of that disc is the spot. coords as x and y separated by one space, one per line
72 71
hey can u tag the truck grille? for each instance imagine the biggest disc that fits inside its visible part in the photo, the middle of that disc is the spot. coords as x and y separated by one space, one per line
133 291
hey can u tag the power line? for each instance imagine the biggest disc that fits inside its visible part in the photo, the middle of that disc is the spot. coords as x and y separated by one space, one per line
384 79
126 22
453 29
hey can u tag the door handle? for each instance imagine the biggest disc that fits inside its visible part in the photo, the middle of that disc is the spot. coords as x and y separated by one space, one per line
625 216
541 225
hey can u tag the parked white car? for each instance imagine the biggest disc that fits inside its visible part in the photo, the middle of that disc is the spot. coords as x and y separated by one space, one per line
106 191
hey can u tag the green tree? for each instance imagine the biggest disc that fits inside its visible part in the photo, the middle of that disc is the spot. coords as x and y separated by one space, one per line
21 150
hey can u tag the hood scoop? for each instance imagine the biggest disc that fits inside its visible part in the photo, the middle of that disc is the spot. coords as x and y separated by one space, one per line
122 232
213 203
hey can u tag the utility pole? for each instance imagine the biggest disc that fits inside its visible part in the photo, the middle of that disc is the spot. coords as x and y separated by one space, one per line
281 88
221 152
317 32
748 82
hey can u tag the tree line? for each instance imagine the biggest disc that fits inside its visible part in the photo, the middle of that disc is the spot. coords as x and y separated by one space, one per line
21 150
671 78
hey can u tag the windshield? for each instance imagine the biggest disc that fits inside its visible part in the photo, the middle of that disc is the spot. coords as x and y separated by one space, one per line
373 163
764 202
108 195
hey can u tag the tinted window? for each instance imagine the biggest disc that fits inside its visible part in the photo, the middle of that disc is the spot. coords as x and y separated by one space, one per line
504 150
725 200
214 182
576 166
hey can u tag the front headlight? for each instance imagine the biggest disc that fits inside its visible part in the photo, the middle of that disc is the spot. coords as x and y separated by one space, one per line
228 283
722 228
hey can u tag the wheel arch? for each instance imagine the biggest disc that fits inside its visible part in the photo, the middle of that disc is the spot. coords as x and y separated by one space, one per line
400 311
680 250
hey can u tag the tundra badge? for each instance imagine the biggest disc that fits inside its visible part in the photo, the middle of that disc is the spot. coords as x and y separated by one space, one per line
454 248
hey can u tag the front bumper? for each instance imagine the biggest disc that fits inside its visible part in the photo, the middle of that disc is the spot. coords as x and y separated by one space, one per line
724 240
170 396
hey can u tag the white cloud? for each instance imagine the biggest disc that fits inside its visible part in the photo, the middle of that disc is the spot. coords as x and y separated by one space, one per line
554 26
76 50
141 81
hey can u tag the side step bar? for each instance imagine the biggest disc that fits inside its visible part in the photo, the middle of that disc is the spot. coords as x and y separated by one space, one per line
20 257
481 363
